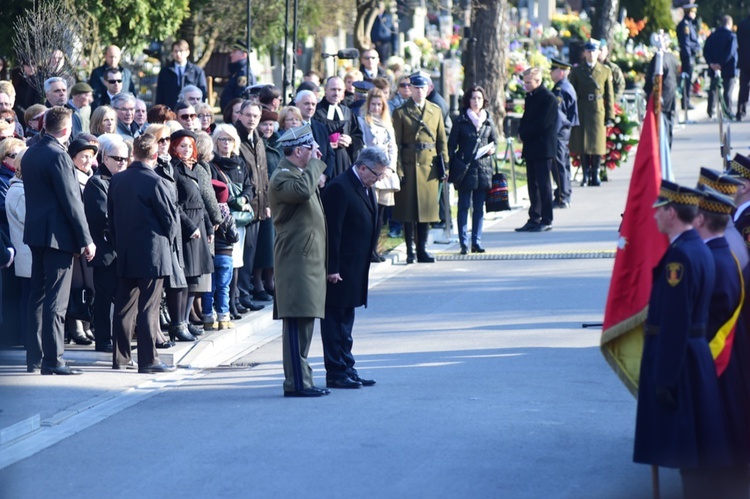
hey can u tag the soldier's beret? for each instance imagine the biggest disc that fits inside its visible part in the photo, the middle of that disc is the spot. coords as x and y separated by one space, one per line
715 202
721 182
740 167
669 192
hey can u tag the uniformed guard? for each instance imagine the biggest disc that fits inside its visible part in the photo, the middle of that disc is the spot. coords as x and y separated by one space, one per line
420 135
238 71
618 79
679 420
739 168
596 107
725 333
568 105
687 36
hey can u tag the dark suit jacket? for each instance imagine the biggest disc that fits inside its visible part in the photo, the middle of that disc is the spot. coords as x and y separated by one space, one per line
721 48
95 206
142 220
320 134
350 216
54 210
100 89
168 87
538 128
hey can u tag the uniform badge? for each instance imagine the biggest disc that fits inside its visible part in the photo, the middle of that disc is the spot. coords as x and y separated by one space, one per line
687 29
674 273
559 100
242 81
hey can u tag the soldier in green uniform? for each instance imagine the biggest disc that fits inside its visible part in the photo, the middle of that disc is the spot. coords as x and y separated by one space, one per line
420 136
593 84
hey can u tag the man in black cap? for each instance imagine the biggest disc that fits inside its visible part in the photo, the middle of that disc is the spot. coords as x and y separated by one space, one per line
360 96
690 46
568 106
739 168
238 74
679 420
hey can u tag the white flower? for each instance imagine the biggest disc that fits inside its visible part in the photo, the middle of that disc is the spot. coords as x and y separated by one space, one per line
617 119
619 146
612 136
619 136
627 137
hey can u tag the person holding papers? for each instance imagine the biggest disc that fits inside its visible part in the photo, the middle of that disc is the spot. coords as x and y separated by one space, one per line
471 145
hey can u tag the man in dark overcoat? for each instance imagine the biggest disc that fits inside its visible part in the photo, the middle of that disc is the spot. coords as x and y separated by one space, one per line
538 132
142 220
690 46
596 107
420 136
720 52
714 211
568 107
55 230
351 216
300 253
344 134
743 64
679 420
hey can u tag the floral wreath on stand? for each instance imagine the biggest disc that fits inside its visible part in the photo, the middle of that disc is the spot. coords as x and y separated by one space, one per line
621 137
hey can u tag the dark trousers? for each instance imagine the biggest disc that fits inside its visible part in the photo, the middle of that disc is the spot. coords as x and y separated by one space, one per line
51 275
727 85
540 190
336 331
561 170
245 281
105 287
744 92
296 338
687 68
136 308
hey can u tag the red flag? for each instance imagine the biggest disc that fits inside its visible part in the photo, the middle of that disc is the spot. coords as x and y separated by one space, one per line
639 249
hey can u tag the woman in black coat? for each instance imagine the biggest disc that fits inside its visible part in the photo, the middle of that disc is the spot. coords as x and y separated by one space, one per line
472 131
228 166
197 230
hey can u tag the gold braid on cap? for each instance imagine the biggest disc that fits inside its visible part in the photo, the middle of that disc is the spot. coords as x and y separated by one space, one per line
715 207
730 189
744 171
680 197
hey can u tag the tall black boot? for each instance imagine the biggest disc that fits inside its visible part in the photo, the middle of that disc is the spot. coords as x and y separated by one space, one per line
422 256
584 170
409 240
594 171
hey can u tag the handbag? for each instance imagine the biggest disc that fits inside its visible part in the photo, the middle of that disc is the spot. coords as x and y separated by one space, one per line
241 217
497 196
81 301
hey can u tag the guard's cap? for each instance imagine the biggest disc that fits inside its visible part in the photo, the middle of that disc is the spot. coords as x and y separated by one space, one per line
239 45
740 167
689 6
715 202
79 145
592 45
417 80
80 88
558 64
721 182
362 87
669 192
297 137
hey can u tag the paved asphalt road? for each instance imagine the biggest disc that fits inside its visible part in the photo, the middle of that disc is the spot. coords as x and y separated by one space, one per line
488 387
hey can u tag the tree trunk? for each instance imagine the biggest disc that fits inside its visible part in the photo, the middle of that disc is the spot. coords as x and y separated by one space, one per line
604 19
485 51
367 11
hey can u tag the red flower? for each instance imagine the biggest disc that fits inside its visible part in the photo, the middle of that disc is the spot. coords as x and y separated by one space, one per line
615 154
610 145
627 147
611 165
616 131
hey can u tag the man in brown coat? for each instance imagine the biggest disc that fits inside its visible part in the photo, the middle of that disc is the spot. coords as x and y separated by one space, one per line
420 136
299 254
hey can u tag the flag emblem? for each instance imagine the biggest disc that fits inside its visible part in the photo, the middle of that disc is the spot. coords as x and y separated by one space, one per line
674 273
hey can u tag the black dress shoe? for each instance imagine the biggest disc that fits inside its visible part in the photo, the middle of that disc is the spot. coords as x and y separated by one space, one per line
33 368
425 258
60 370
107 348
246 302
561 204
409 259
365 382
343 383
475 248
165 344
159 367
529 227
79 338
376 258
541 228
262 296
307 392
130 365
240 309
464 250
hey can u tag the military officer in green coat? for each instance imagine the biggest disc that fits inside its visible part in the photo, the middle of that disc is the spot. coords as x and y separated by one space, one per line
420 136
300 255
596 107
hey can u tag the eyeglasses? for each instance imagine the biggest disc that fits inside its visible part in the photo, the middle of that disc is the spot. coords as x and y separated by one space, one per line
126 109
377 175
164 140
119 159
188 116
204 116
112 82
225 139
404 85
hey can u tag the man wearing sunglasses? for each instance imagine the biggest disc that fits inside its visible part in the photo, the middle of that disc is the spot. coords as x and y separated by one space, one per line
370 65
112 81
112 58
187 117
